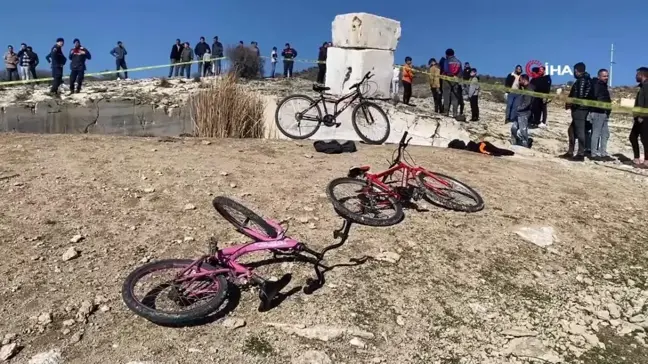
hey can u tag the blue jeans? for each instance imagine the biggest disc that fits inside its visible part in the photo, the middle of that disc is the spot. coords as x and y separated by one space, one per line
520 130
511 112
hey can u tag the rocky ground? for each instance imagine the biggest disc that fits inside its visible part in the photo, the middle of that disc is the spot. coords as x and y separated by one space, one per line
552 270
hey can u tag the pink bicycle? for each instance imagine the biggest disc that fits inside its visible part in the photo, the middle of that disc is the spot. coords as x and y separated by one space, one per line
199 287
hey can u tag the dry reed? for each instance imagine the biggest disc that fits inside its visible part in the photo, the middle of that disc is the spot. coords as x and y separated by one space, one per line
226 109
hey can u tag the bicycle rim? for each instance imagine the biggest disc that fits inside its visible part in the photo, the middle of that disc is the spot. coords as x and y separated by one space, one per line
364 203
245 220
371 123
290 113
447 192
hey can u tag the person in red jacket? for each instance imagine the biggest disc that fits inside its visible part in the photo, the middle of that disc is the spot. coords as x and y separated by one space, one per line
451 67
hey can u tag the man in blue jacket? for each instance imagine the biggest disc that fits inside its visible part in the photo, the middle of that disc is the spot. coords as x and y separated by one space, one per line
78 57
120 53
57 60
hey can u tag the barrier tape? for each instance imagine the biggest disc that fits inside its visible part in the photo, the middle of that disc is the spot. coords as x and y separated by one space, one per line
485 86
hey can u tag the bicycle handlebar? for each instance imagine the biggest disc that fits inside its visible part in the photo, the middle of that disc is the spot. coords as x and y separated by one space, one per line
401 146
366 77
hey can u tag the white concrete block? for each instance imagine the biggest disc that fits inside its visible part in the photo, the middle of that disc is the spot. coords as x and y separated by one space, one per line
363 30
345 67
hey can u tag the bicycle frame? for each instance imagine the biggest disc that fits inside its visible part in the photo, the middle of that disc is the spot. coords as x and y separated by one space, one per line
353 95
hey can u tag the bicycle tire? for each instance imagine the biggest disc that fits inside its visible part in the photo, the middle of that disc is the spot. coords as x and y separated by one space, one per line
311 101
364 138
357 218
220 203
434 198
164 318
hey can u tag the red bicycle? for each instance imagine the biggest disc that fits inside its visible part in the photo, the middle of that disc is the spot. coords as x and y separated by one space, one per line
374 195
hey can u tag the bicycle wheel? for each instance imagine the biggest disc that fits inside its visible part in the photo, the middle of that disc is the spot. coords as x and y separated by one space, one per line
207 292
366 204
378 121
292 110
247 222
447 192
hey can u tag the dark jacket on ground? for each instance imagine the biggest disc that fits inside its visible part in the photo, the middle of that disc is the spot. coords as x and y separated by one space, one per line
119 52
217 49
322 54
600 92
78 60
542 84
176 51
581 89
201 49
524 105
642 100
481 147
56 57
289 54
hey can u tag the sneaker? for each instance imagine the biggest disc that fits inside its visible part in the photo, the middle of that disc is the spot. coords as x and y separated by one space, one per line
118 78
542 126
578 158
126 79
606 158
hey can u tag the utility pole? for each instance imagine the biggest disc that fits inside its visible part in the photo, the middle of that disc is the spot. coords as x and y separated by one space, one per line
611 63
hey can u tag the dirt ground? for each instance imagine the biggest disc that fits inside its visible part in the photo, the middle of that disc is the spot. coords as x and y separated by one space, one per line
457 283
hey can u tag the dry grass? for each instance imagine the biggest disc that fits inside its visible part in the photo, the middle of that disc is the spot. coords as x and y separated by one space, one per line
226 109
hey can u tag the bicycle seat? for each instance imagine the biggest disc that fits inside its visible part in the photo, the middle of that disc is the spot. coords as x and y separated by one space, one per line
320 88
358 171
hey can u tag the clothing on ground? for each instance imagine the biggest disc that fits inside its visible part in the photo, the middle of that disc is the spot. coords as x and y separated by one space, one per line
480 147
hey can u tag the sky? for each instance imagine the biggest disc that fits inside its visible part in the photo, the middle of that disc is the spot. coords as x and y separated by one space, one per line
492 35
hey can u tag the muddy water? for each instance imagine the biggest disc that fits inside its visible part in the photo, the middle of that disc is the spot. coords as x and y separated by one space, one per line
115 118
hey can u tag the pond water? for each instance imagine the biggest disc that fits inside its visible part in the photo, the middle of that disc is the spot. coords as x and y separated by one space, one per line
114 118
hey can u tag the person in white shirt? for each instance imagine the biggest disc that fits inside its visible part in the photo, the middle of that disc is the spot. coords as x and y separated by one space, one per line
206 67
395 81
273 61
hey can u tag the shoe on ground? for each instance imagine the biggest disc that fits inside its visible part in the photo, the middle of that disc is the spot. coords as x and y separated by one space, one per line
578 158
607 158
542 126
567 155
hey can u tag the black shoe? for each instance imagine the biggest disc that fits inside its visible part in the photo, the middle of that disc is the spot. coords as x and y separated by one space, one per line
529 143
606 158
578 158
567 155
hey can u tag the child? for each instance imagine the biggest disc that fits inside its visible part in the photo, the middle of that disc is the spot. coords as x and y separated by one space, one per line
473 94
408 77
435 85
206 67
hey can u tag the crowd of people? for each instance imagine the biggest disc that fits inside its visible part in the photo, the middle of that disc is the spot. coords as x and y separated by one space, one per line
446 95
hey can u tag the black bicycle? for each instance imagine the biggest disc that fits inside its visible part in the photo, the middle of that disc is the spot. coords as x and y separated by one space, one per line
307 113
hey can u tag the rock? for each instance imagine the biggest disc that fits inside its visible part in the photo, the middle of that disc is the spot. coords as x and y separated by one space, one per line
149 190
608 276
48 357
233 323
45 318
321 332
519 332
223 173
76 337
577 329
9 338
188 239
614 310
638 318
400 320
357 343
312 357
69 322
76 238
363 30
232 185
86 309
542 237
70 254
360 61
603 315
531 348
104 308
389 257
206 142
628 328
8 351
189 207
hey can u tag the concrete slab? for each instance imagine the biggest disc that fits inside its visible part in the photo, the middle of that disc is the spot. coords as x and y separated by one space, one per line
363 30
424 131
345 67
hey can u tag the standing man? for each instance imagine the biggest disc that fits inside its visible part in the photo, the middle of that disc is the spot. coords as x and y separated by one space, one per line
640 125
199 51
23 67
255 48
512 82
78 57
186 56
581 89
520 126
599 118
435 85
451 91
473 94
273 61
321 63
120 53
542 85
463 88
176 51
11 64
217 53
57 60
34 61
289 54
